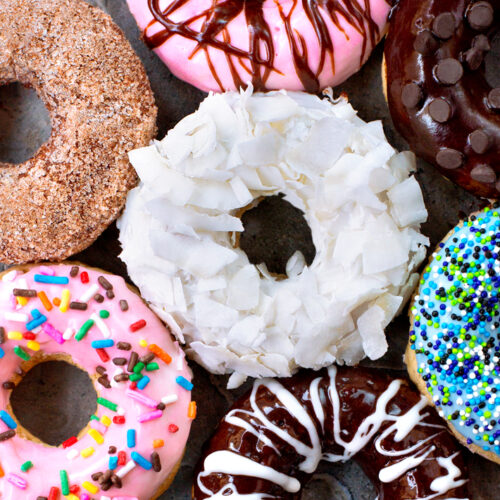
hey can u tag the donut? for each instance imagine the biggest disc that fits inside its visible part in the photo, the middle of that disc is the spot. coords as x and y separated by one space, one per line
183 229
101 106
273 438
453 353
438 91
125 429
287 44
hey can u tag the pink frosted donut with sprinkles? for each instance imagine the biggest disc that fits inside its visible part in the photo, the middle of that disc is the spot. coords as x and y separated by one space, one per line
274 44
124 380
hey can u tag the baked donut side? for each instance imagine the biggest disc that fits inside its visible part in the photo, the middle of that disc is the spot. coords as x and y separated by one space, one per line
273 438
452 355
103 456
437 91
101 106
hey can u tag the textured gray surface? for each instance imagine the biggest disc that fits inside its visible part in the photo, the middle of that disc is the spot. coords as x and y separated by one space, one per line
446 204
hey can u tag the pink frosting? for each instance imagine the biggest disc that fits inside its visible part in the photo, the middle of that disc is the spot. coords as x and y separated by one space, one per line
350 47
48 461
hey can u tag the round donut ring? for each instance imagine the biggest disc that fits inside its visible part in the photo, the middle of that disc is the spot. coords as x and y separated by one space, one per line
273 438
286 44
101 106
439 98
453 353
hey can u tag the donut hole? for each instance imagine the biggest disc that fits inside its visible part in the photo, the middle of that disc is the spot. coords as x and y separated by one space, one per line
273 231
25 123
54 401
492 62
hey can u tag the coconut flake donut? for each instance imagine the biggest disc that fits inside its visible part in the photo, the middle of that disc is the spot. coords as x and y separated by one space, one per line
453 353
286 44
133 438
100 105
438 91
179 233
273 438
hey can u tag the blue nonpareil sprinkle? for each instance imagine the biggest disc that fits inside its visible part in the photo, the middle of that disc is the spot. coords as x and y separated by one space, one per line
185 383
140 460
52 280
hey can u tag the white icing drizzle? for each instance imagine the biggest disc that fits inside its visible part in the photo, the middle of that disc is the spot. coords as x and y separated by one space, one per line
227 462
232 463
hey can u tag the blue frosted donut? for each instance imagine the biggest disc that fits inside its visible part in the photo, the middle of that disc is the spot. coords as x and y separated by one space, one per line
454 349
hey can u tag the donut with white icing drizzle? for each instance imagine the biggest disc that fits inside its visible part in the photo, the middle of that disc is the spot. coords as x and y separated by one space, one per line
274 437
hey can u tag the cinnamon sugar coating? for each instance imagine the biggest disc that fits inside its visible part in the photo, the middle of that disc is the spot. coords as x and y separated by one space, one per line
101 106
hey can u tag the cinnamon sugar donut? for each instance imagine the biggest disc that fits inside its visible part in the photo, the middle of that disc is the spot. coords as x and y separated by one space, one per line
272 440
101 106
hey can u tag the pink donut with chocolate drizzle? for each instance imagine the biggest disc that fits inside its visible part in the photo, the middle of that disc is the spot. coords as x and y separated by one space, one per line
274 44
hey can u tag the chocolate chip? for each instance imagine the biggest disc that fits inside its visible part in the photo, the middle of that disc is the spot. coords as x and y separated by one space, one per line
481 42
483 173
448 71
494 98
425 43
479 141
411 95
480 15
474 58
440 110
443 25
450 158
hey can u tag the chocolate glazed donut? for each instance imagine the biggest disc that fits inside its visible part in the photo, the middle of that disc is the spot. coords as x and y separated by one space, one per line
273 438
438 95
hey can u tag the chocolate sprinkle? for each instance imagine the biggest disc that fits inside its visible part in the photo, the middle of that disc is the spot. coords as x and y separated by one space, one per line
124 346
112 450
79 306
8 386
96 475
2 335
134 357
74 271
98 298
443 25
147 358
479 141
121 377
116 480
119 361
425 43
123 305
450 158
100 370
161 406
21 292
480 15
104 381
494 98
440 110
411 95
448 71
155 460
4 436
41 498
483 173
105 283
110 294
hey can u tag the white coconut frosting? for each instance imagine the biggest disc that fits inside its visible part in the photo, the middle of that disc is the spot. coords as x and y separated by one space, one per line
362 204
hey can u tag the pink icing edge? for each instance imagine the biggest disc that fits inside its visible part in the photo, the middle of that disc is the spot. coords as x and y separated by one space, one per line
138 483
175 53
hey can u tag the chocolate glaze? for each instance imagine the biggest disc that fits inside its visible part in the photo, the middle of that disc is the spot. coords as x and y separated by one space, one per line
471 110
359 391
260 57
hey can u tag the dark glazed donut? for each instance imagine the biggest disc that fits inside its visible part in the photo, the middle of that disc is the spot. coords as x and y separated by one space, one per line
437 91
101 106
273 438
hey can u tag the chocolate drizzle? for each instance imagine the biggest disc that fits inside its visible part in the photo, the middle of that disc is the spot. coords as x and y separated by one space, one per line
259 61
272 440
